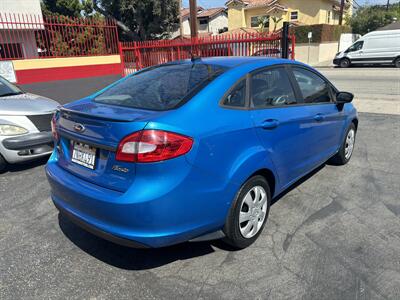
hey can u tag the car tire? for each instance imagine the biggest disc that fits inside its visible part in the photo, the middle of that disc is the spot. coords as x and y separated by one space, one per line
397 62
3 163
248 215
344 63
347 147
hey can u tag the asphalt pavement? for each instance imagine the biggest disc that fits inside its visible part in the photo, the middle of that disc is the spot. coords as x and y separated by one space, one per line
334 235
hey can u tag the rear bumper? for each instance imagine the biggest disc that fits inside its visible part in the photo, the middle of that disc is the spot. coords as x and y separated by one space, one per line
98 232
26 147
149 214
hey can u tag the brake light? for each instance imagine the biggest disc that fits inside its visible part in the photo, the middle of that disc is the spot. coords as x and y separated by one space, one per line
53 128
152 146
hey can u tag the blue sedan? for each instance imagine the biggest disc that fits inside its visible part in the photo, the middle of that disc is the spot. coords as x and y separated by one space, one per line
195 150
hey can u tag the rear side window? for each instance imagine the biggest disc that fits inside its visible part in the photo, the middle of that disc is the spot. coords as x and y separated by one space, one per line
271 87
313 88
161 88
237 96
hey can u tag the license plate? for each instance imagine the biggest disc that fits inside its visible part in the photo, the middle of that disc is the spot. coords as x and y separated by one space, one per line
83 155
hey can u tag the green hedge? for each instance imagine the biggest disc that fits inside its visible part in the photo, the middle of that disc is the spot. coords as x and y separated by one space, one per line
321 33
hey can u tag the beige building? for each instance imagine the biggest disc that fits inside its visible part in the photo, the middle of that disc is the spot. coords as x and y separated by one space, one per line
248 13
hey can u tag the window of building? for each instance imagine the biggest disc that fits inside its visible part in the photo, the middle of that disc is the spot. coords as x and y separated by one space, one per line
203 21
271 87
256 21
313 88
294 15
328 21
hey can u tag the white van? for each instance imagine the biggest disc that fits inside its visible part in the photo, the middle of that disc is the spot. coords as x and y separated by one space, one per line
377 47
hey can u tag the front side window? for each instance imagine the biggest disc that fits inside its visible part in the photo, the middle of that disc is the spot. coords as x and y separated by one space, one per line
313 88
237 96
356 46
161 88
271 88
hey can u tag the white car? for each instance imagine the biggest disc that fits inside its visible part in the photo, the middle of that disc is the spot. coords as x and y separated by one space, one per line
377 47
25 125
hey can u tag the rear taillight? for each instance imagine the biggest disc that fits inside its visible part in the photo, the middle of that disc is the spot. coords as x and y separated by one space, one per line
53 128
153 145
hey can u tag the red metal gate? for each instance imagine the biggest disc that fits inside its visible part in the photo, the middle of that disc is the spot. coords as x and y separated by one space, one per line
138 55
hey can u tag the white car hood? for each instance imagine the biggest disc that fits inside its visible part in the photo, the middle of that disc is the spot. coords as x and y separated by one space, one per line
26 104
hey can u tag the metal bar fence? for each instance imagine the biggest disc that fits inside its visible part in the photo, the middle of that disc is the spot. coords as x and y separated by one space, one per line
138 55
25 36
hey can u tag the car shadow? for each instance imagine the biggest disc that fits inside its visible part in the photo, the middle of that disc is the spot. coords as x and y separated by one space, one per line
12 168
143 259
130 258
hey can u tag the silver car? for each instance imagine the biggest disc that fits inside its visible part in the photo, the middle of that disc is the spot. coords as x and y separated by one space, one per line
25 125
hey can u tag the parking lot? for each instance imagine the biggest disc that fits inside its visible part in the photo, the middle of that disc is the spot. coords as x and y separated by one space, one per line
334 235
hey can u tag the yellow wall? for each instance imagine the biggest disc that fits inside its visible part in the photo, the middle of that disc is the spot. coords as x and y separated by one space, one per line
309 12
235 17
29 64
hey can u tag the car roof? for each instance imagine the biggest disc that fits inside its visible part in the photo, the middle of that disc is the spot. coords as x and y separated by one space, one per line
235 61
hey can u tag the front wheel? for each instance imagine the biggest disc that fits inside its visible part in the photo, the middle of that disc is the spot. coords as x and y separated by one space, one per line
347 147
249 213
344 63
397 62
3 163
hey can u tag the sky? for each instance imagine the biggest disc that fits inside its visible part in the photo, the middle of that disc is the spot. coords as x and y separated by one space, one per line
219 3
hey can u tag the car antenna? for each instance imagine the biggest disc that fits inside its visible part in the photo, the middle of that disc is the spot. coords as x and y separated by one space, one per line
194 57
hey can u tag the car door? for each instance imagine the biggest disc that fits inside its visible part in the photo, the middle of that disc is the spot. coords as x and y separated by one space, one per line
282 123
356 53
326 117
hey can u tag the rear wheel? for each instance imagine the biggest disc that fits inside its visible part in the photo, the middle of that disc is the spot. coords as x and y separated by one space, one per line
249 213
347 147
397 62
344 63
3 163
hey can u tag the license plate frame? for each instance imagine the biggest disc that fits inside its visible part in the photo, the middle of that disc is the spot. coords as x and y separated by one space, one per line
84 155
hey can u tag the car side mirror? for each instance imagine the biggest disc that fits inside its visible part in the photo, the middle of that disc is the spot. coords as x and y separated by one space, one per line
344 97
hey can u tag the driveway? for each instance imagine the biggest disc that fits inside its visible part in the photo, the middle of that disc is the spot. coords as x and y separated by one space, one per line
335 235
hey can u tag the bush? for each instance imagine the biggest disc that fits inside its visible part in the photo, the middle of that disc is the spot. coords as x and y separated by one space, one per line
321 33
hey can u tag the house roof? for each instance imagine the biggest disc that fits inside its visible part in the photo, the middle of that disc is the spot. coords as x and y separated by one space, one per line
391 26
264 3
211 12
203 13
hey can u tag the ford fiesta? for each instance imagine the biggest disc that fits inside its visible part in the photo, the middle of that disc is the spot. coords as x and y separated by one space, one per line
195 150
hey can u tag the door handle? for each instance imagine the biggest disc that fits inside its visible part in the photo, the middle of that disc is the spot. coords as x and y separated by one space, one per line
270 124
319 117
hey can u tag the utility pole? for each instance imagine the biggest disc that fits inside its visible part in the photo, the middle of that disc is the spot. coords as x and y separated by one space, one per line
387 5
180 19
193 18
341 12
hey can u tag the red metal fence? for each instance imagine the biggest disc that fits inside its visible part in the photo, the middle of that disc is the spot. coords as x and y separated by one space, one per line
32 36
138 55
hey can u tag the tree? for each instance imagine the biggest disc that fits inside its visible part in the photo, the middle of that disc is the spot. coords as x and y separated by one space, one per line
147 19
276 20
370 18
68 8
263 23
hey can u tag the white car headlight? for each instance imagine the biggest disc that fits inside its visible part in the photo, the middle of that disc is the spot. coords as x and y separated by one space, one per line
11 130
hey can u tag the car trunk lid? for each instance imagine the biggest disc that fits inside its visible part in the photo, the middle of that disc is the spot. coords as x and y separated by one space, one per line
101 127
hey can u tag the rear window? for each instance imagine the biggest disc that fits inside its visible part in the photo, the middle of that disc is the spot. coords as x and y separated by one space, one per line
160 88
